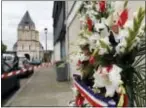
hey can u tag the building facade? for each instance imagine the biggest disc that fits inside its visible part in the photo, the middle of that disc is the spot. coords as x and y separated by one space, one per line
59 30
28 39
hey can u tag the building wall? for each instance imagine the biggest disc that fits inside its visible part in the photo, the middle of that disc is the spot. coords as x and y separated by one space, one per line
57 51
72 30
28 42
73 26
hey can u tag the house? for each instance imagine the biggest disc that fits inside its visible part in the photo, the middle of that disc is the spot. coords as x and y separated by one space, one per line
28 39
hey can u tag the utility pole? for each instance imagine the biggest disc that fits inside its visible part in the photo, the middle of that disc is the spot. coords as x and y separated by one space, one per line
46 31
45 54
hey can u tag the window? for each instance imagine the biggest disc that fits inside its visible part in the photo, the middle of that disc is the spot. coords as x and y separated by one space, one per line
26 27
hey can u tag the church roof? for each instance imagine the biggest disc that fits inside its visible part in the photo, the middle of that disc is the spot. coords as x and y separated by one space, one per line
41 46
15 46
26 20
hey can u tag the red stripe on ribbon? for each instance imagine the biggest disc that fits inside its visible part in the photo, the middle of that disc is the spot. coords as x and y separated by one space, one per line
90 100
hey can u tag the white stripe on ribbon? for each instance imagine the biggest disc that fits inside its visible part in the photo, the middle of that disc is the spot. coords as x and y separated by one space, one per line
92 97
35 67
17 72
30 68
24 70
3 76
10 74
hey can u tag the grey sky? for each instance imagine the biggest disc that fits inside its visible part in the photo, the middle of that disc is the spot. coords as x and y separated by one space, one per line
40 12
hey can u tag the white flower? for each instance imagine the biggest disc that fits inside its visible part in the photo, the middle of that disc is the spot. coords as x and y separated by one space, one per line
110 80
128 24
123 33
88 6
82 57
92 41
135 14
83 42
99 81
102 51
94 37
102 29
83 18
110 20
118 6
120 48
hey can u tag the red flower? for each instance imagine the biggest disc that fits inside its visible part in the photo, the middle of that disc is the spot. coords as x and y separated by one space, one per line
108 68
79 63
123 18
89 23
102 6
79 100
92 60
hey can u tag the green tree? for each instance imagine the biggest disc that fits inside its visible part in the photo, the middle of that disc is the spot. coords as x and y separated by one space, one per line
4 47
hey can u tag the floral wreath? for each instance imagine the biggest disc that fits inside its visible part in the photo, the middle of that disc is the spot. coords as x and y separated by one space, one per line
108 44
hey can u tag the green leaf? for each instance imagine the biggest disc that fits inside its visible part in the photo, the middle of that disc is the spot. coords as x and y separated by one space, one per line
125 4
104 45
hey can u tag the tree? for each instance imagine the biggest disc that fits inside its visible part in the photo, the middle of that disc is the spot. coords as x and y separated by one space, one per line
4 47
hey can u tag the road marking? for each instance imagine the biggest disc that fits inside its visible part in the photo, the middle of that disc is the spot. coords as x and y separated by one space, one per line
18 92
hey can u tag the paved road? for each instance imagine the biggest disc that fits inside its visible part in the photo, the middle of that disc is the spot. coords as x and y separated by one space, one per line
42 89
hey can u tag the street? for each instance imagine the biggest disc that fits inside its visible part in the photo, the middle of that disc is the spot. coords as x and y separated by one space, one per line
41 89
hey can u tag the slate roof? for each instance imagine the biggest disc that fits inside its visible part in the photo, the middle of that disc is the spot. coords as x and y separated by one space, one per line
26 20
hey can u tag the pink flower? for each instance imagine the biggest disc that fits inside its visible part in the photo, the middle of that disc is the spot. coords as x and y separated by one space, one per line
79 63
92 60
115 28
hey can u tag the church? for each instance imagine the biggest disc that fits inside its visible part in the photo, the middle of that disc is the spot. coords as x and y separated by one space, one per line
28 39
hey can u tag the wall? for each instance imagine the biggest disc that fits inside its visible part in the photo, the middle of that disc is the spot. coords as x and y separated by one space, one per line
57 51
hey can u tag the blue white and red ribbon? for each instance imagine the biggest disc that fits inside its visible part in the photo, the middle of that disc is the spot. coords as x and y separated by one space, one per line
95 100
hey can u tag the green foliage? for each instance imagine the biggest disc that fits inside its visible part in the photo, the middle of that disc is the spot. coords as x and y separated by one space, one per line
126 3
138 81
135 29
104 45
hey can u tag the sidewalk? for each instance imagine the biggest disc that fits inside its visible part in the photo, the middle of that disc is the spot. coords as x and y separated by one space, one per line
42 89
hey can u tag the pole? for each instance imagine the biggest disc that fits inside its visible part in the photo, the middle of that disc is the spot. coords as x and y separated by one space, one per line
46 30
46 42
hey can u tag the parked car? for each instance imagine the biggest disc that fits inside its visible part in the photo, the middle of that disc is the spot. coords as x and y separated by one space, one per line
10 83
36 62
24 63
11 59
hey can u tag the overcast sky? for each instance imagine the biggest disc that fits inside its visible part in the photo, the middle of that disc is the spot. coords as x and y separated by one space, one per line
40 12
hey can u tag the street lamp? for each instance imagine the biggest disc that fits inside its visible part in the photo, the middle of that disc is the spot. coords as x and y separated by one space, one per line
46 31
